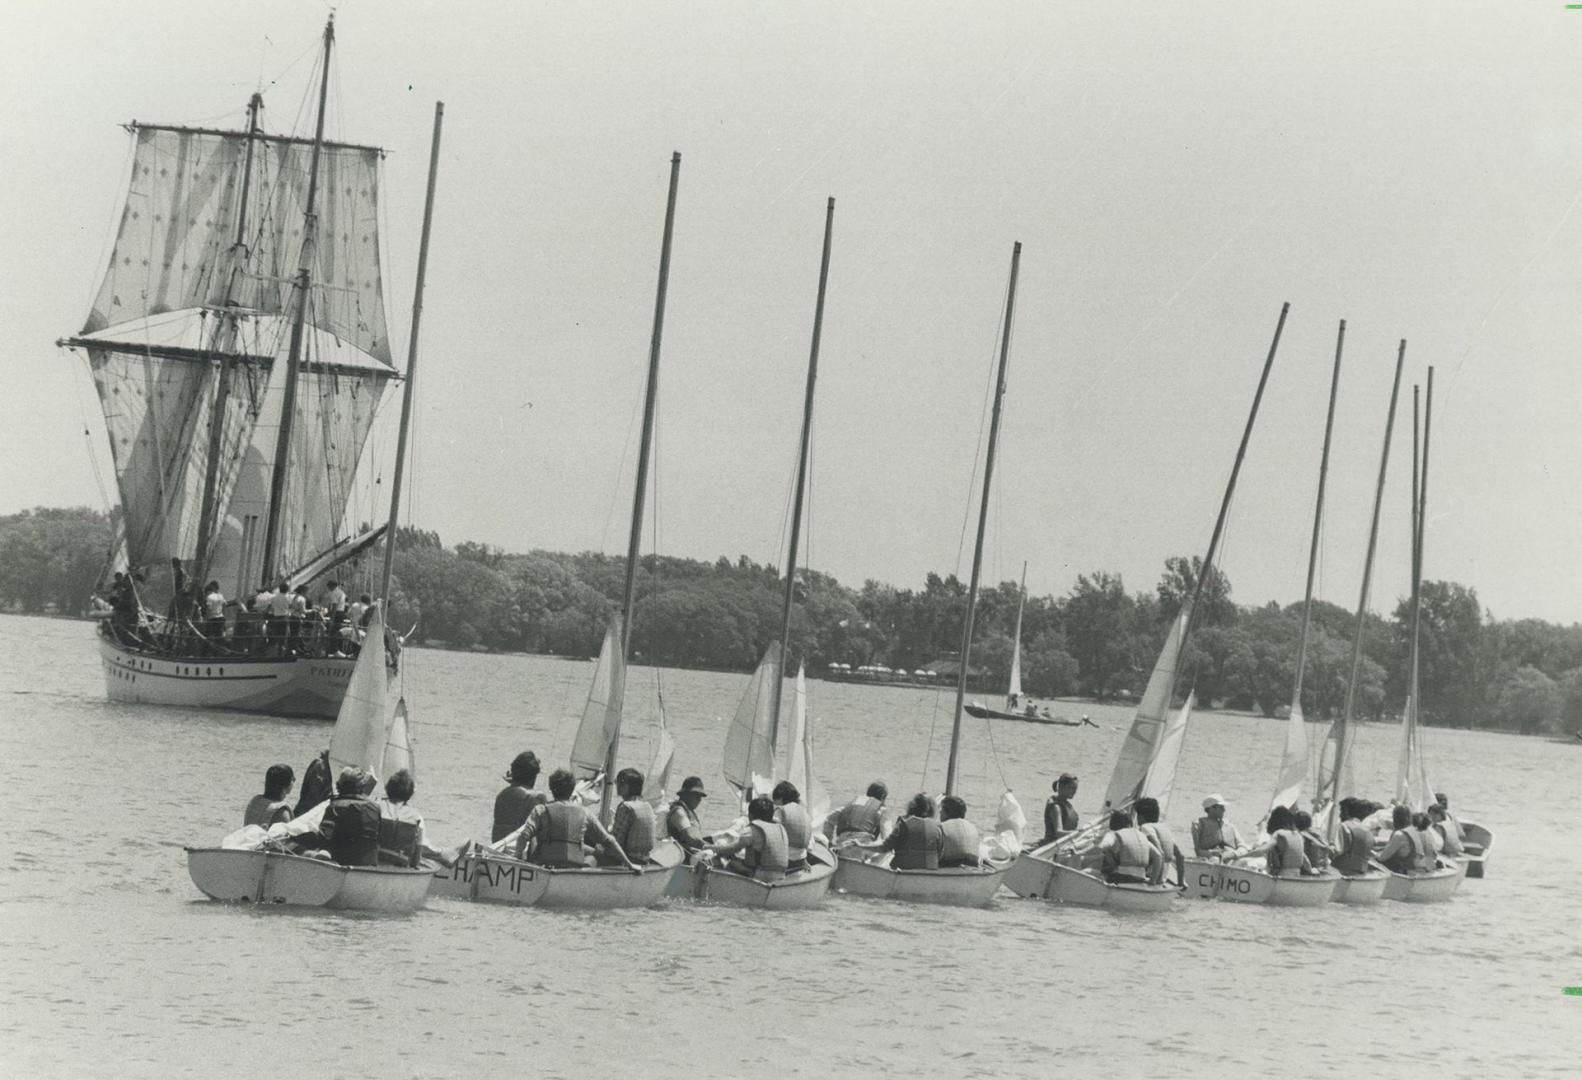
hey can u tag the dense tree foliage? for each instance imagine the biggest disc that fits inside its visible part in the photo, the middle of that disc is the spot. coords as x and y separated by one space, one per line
1097 640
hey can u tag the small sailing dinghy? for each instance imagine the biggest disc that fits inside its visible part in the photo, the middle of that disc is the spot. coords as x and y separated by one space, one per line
1016 705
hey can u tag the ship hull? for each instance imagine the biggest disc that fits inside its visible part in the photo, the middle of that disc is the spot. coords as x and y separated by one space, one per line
303 687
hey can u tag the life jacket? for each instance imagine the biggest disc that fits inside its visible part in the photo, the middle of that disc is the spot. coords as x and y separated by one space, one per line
1315 849
1208 835
1059 818
1356 848
860 815
767 857
634 829
921 842
1128 858
511 808
799 830
685 832
1427 852
350 830
261 810
397 842
560 837
960 847
1452 839
1404 862
1285 857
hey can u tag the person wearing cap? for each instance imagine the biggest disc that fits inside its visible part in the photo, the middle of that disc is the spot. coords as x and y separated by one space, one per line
513 804
556 834
266 809
861 819
1060 817
349 830
633 827
681 822
1212 836
793 817
1158 834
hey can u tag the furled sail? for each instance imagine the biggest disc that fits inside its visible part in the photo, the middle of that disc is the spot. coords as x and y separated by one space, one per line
1293 762
1148 726
749 756
601 717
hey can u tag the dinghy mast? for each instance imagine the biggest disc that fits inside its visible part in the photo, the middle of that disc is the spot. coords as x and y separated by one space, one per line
1411 785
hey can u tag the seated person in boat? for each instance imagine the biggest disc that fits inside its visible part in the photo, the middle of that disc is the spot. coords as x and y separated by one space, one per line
402 841
682 823
1404 852
513 804
961 839
1285 851
1442 801
1060 817
1313 845
556 834
1127 856
1428 840
266 809
316 784
349 830
1212 836
793 817
1451 843
861 819
917 840
764 852
634 828
1353 851
1147 810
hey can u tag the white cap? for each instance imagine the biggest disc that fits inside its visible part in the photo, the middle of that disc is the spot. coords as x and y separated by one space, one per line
1213 801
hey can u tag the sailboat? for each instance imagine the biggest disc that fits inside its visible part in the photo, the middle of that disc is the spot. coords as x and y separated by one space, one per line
756 755
969 886
1146 764
1015 706
239 350
370 732
493 873
1252 884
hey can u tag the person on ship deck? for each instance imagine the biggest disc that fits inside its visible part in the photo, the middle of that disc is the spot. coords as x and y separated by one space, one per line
518 798
558 834
266 809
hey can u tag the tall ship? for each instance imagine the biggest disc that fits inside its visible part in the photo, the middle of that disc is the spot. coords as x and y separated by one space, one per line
239 348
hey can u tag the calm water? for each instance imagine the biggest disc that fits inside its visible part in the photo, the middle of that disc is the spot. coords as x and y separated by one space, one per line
111 963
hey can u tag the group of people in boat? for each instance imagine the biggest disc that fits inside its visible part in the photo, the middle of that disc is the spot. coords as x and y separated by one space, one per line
929 836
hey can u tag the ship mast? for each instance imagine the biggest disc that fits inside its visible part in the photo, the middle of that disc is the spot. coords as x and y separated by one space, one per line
288 405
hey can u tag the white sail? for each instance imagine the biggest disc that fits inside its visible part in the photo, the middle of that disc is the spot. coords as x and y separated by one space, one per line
1159 780
398 744
1013 693
656 787
601 717
1411 778
1293 762
358 740
799 754
1148 726
749 756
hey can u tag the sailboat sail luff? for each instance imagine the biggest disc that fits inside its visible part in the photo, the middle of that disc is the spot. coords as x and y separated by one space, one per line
601 716
1013 692
1145 735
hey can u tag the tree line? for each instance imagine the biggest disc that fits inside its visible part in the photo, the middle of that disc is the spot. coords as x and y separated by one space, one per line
1097 640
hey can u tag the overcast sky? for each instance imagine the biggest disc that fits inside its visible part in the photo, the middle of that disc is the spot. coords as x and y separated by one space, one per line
1175 172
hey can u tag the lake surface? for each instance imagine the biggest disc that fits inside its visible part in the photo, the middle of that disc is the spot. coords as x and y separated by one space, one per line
112 963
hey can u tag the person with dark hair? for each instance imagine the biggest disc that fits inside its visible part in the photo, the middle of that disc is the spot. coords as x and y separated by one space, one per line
1442 801
763 846
917 839
1060 817
1158 834
556 834
1286 851
960 836
1313 845
633 827
861 819
180 602
1354 850
213 613
316 784
1447 830
1212 836
271 806
682 823
1126 855
349 830
792 816
1401 853
402 841
518 798
335 603
367 612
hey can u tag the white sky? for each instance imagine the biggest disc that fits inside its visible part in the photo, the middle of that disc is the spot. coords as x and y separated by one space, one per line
1175 172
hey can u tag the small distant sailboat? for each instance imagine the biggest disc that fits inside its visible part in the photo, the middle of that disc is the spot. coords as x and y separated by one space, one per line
1016 705
1146 764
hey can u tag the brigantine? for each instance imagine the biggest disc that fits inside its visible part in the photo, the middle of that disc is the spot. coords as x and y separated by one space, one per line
370 733
1146 764
494 873
1015 707
1251 884
972 886
239 350
755 755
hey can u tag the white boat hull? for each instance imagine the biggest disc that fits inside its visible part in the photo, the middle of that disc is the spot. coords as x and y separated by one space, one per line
1431 888
273 877
500 879
281 687
1249 885
1034 875
805 889
1478 841
1361 888
957 887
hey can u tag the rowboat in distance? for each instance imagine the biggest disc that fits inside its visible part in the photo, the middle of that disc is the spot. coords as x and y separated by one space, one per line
967 886
983 712
1250 885
491 877
276 877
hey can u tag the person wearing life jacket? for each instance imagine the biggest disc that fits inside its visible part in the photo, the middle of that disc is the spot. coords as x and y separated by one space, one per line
1126 855
349 830
961 839
682 823
1450 837
1429 844
1402 852
266 809
763 848
402 841
1147 811
1286 851
518 798
793 817
555 833
1060 817
917 839
1212 836
861 819
1353 851
318 784
1466 847
634 828
1313 845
